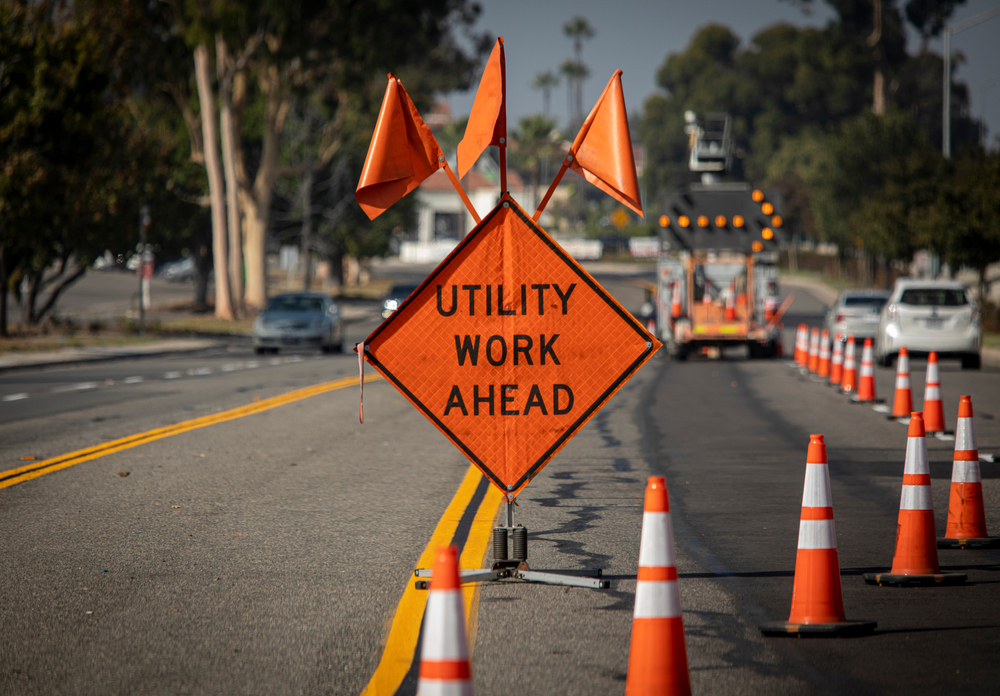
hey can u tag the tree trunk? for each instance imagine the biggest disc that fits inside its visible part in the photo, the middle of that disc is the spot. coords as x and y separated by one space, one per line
229 136
257 201
878 89
307 187
216 186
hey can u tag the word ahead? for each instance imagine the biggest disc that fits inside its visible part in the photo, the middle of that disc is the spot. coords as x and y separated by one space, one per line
509 347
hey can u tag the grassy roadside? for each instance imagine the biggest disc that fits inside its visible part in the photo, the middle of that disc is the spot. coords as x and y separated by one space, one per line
41 344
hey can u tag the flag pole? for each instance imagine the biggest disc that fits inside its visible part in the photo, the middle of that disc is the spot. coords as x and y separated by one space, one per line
552 187
503 119
461 192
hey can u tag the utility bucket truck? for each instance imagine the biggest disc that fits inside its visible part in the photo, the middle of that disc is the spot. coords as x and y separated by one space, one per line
717 273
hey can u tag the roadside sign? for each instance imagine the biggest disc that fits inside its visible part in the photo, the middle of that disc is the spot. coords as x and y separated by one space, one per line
509 347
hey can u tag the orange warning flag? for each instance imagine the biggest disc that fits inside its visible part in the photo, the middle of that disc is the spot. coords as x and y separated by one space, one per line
488 118
403 153
603 147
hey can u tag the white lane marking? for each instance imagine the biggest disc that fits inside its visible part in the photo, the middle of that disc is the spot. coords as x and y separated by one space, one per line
276 361
881 408
171 375
82 386
944 437
253 365
294 359
200 371
229 367
133 380
15 397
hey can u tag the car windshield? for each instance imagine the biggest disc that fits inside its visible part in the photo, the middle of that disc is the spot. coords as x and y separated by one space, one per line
295 303
934 297
862 301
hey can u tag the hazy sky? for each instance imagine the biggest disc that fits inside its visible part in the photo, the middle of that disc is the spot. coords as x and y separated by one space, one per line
636 36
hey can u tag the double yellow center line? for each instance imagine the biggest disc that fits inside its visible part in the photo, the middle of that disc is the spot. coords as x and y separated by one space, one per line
467 521
47 466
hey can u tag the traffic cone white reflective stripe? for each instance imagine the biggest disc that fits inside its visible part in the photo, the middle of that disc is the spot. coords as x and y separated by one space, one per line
675 300
706 298
933 408
657 656
837 362
823 369
849 377
813 363
866 378
966 515
444 661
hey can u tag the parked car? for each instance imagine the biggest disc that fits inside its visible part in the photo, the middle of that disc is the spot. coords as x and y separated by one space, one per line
391 302
856 313
299 319
930 315
179 271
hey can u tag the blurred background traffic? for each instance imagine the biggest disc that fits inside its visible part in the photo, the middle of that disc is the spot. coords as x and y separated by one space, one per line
216 146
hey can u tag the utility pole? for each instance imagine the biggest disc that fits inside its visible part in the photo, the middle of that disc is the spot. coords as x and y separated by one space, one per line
145 266
949 31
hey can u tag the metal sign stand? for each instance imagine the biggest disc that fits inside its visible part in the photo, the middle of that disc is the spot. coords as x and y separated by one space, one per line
514 569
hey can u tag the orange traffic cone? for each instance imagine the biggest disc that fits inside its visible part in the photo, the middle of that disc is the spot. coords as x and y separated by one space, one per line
933 409
801 345
966 518
731 303
916 560
444 659
817 600
866 378
823 369
902 404
849 377
675 301
770 308
657 660
813 362
837 362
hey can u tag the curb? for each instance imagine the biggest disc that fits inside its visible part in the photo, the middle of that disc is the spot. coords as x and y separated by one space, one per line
73 357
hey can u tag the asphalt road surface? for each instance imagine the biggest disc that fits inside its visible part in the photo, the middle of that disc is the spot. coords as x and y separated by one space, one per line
270 551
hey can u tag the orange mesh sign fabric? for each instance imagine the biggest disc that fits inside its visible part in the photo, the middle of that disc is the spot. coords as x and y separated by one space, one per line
509 347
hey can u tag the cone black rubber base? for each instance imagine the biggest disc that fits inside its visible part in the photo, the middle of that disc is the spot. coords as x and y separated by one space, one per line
841 629
890 580
983 543
856 400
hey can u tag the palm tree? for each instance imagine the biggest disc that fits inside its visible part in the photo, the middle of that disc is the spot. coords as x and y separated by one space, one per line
546 81
576 72
578 29
532 144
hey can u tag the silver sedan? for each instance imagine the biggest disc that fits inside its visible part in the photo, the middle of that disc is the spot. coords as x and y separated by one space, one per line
856 313
305 319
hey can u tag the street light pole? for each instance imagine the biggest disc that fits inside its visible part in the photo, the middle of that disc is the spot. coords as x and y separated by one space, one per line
949 31
144 222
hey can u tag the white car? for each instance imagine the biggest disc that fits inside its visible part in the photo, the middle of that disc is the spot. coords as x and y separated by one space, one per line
930 315
856 313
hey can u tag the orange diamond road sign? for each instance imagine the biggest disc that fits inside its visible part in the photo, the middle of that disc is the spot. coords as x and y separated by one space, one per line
509 347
